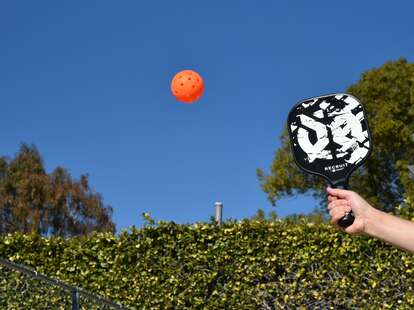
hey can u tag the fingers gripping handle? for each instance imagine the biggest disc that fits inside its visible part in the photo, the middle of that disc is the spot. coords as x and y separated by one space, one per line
348 219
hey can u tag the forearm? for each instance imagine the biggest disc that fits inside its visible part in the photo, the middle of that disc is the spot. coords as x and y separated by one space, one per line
391 229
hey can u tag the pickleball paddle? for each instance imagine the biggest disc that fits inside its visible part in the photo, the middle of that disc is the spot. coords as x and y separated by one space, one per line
330 138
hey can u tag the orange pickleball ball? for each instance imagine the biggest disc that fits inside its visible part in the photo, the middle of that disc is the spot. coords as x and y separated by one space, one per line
187 86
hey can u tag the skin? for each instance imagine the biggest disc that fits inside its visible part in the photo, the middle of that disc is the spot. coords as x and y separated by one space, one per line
370 221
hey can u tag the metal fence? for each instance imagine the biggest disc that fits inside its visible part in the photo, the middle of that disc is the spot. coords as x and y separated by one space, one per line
24 288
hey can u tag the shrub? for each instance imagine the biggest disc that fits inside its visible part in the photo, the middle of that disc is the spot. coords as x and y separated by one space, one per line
251 264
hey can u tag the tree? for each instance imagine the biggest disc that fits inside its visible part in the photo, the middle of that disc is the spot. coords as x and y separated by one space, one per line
387 93
32 201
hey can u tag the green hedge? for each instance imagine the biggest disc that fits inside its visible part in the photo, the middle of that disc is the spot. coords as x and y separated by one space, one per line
240 265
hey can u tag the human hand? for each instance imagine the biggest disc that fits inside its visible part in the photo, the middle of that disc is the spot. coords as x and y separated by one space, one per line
342 201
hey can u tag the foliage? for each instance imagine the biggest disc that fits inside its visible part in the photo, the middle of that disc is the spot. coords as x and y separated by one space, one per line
20 291
316 216
261 215
251 264
405 210
32 200
388 97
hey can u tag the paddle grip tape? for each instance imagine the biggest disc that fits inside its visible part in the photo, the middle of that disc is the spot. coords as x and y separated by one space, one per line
348 219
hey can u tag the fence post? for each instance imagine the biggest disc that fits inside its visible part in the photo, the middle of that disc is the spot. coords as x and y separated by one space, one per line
75 300
219 212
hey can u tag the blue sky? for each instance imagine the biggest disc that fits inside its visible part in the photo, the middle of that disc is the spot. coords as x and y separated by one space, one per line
88 82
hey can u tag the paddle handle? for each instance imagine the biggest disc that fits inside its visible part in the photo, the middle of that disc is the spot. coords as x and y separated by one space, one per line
348 218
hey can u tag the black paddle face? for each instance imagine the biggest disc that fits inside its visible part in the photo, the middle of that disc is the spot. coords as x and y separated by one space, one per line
330 136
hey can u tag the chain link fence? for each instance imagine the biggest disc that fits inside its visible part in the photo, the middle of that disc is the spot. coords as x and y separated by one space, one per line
24 288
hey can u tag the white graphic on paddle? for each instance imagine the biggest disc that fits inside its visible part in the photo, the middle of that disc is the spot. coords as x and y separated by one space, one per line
344 123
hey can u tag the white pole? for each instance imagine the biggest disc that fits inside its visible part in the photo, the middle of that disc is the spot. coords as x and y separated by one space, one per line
219 212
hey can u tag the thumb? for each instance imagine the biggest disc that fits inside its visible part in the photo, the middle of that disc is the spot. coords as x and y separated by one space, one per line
341 193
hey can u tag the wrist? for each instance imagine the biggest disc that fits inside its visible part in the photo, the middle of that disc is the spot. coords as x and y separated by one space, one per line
371 219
